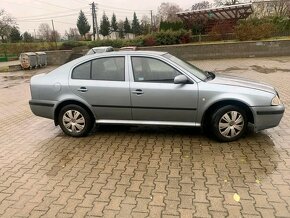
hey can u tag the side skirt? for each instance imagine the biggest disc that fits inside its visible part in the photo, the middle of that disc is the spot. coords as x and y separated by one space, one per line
143 122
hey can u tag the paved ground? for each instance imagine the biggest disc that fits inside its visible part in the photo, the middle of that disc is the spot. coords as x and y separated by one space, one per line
138 171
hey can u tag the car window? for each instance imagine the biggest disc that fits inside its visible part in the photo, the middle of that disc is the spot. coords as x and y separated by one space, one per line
112 69
82 71
187 66
152 70
90 52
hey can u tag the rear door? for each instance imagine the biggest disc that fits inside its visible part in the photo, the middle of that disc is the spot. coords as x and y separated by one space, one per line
103 83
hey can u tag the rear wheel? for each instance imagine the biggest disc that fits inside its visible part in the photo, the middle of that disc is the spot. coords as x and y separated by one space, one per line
229 123
75 121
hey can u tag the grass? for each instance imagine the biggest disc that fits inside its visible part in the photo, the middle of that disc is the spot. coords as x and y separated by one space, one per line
4 69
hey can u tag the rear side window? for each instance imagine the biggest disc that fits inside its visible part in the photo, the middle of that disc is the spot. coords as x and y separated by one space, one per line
112 69
82 71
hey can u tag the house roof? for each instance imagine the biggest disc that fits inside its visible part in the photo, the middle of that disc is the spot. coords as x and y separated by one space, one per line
239 11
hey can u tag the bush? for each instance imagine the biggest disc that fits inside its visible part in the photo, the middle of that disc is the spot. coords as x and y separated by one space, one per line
170 37
17 48
118 43
254 29
282 23
149 40
221 30
71 44
175 26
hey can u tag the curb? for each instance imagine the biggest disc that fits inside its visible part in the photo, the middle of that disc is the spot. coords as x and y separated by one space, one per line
10 68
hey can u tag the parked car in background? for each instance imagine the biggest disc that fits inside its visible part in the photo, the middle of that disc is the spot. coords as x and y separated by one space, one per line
100 50
129 48
151 88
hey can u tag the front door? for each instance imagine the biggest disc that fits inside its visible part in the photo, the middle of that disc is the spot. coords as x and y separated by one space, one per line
154 95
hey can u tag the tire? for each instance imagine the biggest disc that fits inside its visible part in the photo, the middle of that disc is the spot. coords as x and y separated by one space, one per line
75 121
229 123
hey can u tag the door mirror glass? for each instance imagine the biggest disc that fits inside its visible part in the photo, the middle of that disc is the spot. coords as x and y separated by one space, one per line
180 79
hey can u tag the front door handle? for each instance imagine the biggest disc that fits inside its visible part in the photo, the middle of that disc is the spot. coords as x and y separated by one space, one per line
82 89
138 92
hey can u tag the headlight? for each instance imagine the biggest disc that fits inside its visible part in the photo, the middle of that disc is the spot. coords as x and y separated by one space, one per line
276 101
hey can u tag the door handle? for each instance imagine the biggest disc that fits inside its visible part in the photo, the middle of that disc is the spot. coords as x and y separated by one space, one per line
82 89
138 92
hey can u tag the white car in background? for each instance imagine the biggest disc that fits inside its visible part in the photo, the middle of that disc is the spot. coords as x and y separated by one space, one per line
100 50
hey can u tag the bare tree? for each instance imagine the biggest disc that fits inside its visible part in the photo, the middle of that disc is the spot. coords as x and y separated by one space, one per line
156 19
6 24
167 11
73 34
201 5
145 24
54 36
280 8
44 32
227 2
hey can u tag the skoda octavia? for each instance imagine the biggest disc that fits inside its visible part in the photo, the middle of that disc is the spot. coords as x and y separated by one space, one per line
151 88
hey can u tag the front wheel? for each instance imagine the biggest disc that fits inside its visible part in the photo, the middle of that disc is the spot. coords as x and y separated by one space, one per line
75 121
229 123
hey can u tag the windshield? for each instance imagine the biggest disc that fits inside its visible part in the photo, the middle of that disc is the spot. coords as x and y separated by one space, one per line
99 50
188 67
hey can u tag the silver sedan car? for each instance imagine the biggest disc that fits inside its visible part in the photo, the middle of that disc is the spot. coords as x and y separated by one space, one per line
151 88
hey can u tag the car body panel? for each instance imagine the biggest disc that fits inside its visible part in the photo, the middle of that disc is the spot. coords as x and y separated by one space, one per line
160 103
164 102
267 116
241 82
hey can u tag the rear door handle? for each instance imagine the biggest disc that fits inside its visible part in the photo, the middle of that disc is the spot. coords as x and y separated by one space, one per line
138 92
82 89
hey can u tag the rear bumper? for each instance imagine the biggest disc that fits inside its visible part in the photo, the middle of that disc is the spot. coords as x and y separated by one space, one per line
42 108
267 117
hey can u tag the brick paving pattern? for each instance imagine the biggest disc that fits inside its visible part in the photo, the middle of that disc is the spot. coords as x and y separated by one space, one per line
120 171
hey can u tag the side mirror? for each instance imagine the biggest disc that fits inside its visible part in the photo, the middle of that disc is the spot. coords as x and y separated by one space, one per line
180 79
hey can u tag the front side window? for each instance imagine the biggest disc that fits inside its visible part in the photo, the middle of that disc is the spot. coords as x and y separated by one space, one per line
152 70
187 66
82 71
112 69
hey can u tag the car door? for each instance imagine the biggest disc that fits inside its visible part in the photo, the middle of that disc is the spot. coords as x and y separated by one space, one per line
103 83
154 95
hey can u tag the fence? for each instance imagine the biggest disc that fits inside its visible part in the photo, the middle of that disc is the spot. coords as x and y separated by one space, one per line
229 36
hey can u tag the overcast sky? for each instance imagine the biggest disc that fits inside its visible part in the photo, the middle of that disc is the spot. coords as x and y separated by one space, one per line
30 13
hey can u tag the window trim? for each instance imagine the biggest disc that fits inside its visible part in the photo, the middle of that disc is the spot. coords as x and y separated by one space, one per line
80 65
132 66
91 67
107 58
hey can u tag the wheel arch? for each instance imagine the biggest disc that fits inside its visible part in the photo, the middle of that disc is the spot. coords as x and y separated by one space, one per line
217 105
67 102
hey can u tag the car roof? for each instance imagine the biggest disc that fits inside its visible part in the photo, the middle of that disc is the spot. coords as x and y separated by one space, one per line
114 53
132 53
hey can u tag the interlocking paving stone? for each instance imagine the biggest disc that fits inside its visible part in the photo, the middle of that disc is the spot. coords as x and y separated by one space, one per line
121 171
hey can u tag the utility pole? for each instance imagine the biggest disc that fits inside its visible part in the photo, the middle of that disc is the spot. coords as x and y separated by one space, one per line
54 33
95 20
93 15
151 25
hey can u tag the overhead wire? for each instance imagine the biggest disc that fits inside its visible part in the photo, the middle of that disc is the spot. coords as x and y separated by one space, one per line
60 12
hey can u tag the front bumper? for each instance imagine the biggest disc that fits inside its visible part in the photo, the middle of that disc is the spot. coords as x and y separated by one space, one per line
267 117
